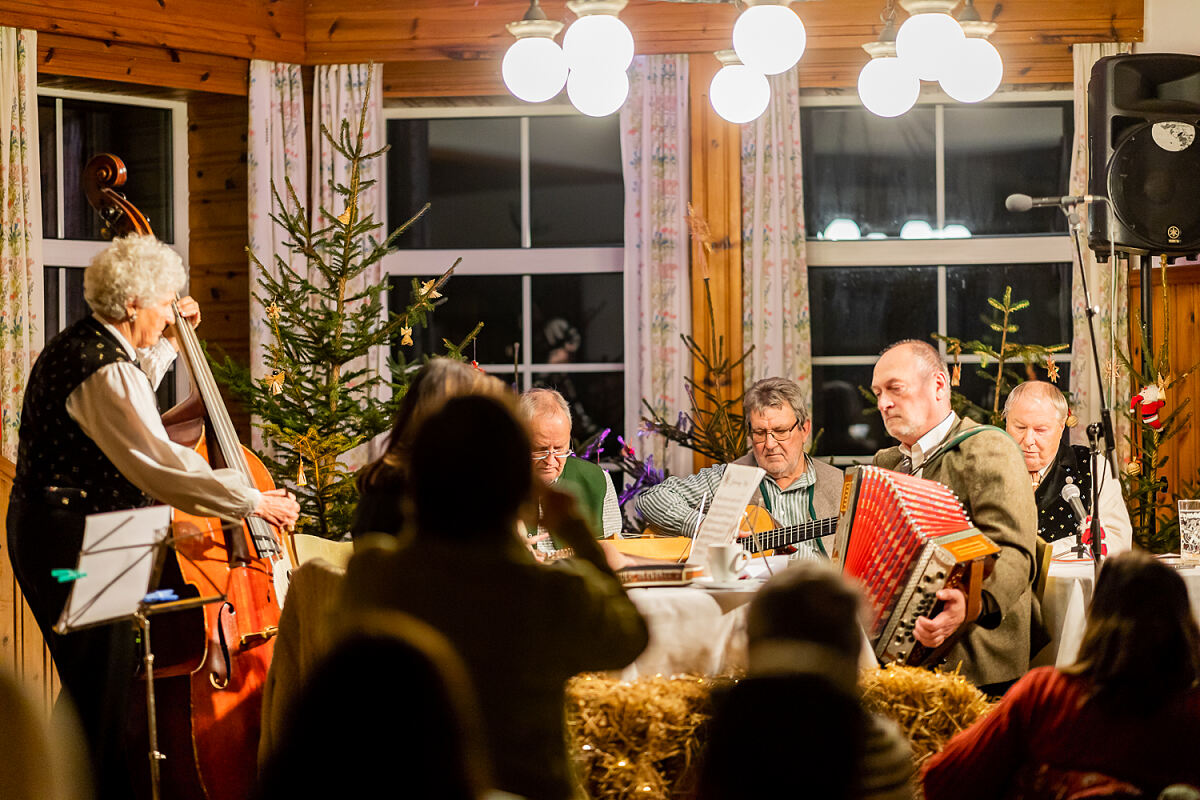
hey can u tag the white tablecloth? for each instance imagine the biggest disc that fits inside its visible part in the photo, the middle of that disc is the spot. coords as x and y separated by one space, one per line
1064 608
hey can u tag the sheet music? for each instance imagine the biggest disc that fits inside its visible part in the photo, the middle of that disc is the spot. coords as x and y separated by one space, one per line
116 561
738 485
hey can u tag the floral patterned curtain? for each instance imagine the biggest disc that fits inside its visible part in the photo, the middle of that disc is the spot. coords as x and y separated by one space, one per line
276 151
774 266
655 154
21 221
338 93
1106 282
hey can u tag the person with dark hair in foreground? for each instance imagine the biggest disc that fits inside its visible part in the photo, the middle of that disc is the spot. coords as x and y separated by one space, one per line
795 727
387 673
1128 708
521 628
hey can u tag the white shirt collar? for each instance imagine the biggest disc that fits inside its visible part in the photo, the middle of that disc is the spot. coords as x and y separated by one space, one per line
129 348
927 443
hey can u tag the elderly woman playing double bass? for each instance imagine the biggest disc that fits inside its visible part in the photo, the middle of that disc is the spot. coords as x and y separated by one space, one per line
91 440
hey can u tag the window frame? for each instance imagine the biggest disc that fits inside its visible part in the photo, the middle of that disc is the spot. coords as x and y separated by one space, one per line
77 253
939 253
525 261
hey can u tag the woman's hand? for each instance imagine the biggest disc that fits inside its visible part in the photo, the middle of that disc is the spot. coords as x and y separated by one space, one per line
279 508
190 310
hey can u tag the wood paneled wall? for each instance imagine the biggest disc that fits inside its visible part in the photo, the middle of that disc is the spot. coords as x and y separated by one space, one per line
218 231
22 650
1183 300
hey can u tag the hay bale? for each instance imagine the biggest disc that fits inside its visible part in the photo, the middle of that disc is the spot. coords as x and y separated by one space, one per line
638 739
929 707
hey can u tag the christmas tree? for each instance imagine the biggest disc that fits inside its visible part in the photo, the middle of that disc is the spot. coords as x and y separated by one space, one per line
322 398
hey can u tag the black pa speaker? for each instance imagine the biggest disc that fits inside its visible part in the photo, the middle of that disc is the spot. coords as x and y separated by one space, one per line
1143 118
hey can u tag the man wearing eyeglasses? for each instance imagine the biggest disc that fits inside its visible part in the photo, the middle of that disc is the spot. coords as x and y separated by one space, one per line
549 420
796 488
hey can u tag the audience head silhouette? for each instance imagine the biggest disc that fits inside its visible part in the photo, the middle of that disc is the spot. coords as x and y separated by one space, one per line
1141 646
485 433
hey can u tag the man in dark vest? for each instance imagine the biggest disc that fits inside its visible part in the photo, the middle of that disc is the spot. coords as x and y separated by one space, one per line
796 488
983 466
549 421
1035 415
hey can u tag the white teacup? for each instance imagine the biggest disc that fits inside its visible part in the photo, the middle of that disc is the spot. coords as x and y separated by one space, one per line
726 561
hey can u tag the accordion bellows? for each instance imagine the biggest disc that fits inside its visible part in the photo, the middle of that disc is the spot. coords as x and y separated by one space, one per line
904 538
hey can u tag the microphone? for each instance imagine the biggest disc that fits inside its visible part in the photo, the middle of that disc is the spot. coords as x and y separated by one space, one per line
1070 493
1023 202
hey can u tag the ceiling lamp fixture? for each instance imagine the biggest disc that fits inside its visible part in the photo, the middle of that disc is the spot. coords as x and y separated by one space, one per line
598 39
926 40
886 85
738 93
599 92
769 37
978 68
534 68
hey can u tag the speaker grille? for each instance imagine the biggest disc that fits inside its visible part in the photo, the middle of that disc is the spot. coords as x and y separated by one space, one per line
1153 176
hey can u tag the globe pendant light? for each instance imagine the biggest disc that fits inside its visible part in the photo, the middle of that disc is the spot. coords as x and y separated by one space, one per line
977 67
926 39
768 36
737 93
598 39
886 85
597 92
534 68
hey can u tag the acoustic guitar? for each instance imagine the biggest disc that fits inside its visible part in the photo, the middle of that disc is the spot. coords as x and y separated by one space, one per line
758 533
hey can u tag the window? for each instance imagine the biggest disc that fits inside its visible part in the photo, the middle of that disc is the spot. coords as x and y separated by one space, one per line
534 206
150 137
908 233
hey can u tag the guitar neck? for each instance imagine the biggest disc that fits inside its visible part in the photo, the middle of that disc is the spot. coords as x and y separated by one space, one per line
790 534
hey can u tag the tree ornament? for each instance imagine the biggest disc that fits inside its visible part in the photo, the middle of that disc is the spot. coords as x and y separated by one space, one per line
1151 399
1051 370
1072 420
1133 468
273 311
406 336
300 479
275 381
429 290
956 375
347 214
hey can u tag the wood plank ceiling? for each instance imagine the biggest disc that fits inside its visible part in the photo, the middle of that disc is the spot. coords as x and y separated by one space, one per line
453 47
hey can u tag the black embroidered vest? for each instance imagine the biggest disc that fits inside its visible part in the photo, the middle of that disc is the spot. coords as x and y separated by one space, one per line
1055 518
53 450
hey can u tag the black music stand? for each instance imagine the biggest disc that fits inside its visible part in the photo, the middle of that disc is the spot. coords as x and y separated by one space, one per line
121 556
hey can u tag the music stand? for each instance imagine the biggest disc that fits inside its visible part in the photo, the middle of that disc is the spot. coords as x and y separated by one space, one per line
121 555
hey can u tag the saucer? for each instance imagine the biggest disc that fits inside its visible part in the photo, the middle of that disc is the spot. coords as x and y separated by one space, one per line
746 584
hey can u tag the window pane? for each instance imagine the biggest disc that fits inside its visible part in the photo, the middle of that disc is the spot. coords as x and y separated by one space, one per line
48 154
877 173
468 169
577 318
577 194
993 151
139 136
847 422
861 310
597 400
494 300
1047 287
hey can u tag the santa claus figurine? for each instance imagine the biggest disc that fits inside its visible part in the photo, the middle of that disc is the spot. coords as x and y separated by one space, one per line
1151 399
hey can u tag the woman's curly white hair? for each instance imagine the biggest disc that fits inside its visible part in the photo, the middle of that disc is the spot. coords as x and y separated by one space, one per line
134 269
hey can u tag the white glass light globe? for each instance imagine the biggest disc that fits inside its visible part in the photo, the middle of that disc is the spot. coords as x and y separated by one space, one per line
841 229
739 94
887 87
956 231
534 69
925 42
769 39
598 41
597 92
916 229
975 73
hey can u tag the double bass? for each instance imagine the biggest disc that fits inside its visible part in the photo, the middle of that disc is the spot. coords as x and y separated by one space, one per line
209 690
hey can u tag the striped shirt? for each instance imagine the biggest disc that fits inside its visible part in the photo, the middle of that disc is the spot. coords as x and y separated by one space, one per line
610 517
673 506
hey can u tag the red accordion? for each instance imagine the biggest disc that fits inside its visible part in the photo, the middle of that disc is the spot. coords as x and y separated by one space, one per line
904 538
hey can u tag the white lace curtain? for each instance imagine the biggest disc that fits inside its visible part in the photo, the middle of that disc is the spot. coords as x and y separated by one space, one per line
21 221
655 155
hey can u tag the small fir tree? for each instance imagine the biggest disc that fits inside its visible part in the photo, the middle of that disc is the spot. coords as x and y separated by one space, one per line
322 398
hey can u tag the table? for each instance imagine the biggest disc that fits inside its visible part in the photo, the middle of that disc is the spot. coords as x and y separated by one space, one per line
1064 608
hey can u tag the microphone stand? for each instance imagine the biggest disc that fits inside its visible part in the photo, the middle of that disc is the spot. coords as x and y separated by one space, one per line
1105 426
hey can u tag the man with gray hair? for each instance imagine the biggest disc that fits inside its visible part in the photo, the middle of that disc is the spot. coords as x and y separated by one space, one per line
1035 414
548 418
983 466
796 488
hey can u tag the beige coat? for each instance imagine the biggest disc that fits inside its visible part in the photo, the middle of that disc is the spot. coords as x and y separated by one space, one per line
988 474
